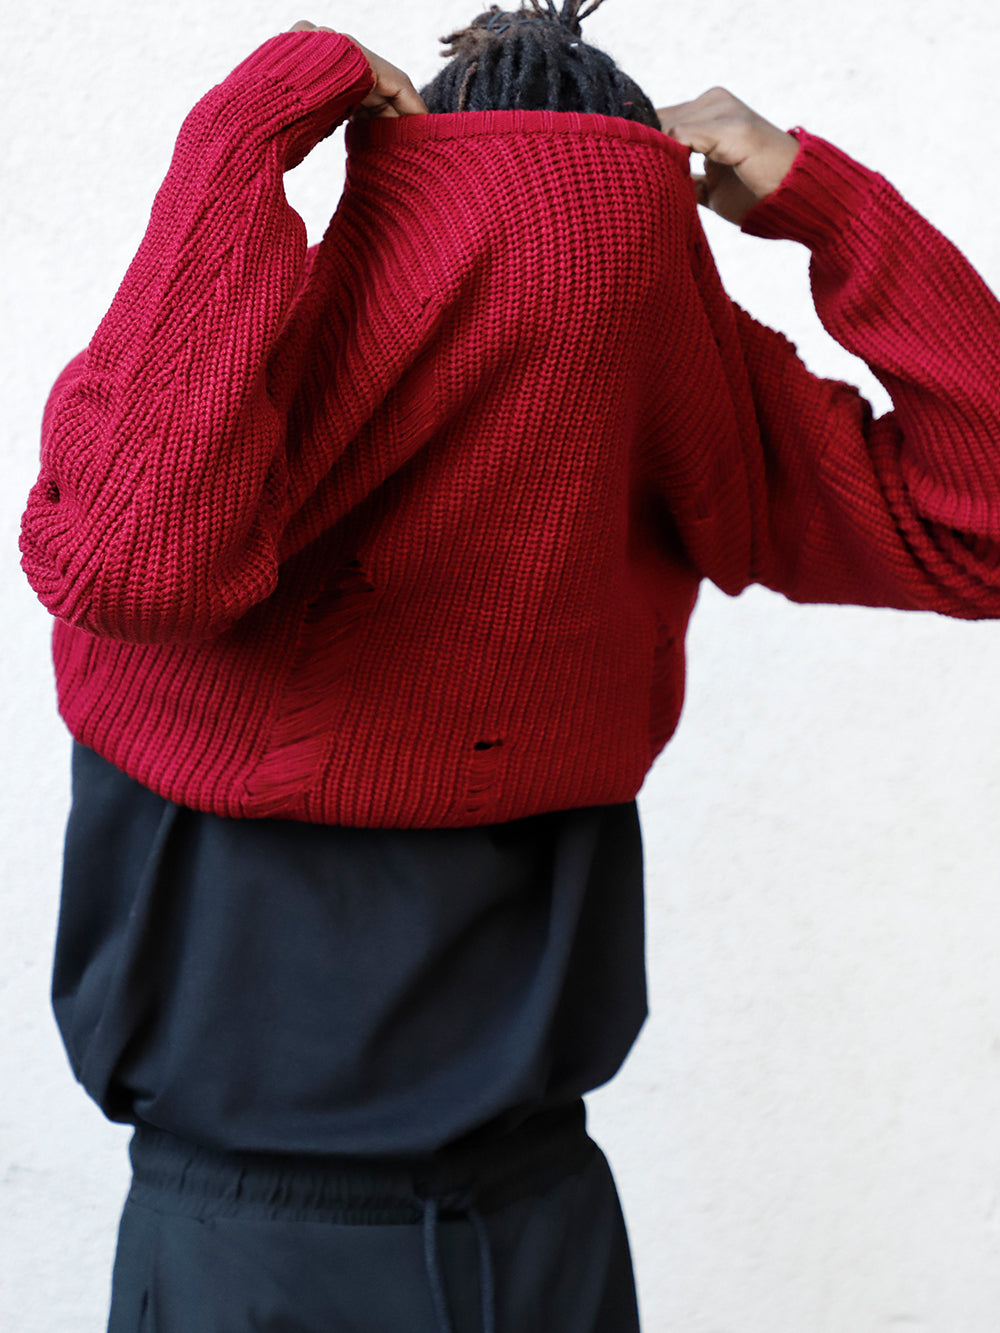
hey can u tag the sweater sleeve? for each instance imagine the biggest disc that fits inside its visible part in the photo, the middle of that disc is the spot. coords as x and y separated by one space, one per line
161 494
903 510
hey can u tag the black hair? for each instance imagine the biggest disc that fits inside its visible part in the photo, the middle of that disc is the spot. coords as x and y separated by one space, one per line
533 59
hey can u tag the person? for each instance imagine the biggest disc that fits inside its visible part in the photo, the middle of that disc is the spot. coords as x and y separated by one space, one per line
371 564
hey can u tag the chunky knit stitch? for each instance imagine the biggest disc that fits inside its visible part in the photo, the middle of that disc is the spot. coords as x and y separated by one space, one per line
405 529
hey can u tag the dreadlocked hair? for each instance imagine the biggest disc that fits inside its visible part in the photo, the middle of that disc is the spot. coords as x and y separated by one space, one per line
533 59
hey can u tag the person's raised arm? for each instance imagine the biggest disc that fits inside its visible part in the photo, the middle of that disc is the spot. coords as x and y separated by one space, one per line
903 510
162 490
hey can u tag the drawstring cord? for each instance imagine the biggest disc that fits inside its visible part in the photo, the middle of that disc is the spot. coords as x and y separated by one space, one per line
432 1260
485 1272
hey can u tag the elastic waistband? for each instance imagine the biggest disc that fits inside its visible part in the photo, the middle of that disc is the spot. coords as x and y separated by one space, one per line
485 1175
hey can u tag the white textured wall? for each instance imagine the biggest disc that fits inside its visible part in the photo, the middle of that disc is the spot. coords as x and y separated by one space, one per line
806 1135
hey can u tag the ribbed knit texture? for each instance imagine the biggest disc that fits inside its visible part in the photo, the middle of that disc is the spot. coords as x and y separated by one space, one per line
405 529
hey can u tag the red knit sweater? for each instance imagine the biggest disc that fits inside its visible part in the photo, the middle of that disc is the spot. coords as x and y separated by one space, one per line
405 529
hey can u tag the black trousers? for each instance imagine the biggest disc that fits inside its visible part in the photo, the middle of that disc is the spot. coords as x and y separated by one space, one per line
522 1234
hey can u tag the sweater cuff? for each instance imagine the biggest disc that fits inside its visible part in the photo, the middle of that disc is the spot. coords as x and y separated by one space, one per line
822 194
318 67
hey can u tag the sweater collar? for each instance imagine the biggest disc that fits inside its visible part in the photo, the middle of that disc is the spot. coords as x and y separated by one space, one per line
389 132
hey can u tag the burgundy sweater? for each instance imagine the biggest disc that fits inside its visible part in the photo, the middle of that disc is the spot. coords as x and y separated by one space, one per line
405 529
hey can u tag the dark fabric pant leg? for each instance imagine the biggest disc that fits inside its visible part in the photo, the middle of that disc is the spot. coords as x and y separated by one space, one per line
558 1255
563 1261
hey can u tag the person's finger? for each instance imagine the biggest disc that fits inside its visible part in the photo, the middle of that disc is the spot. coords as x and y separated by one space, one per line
680 120
693 130
399 92
715 123
670 119
668 115
700 190
394 97
408 101
304 25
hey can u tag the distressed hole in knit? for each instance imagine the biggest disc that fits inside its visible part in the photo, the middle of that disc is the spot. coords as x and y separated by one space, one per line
300 733
482 776
52 493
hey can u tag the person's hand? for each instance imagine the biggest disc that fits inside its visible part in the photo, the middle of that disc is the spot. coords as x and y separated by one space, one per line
746 157
393 94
